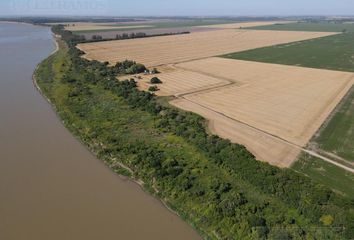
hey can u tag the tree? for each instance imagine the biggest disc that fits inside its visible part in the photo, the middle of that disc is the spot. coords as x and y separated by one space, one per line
125 36
155 71
97 37
153 89
155 80
140 35
136 68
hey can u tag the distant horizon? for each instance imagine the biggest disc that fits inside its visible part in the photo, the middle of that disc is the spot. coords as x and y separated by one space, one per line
177 16
163 8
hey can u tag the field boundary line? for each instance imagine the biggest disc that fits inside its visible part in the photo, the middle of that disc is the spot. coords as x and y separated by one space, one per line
206 89
315 154
332 156
176 65
341 93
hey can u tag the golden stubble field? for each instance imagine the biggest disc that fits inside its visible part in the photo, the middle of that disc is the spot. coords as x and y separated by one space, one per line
272 109
264 146
279 108
164 50
177 81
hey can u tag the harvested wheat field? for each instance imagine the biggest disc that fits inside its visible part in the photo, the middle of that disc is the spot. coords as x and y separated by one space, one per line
177 81
246 24
180 48
284 101
265 147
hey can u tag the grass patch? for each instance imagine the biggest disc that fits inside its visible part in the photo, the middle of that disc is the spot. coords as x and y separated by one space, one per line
311 27
328 174
338 135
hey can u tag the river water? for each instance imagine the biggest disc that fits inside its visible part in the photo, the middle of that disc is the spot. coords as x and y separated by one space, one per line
51 187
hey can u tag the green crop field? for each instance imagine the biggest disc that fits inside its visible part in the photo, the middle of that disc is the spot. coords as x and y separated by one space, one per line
326 173
313 27
338 136
333 52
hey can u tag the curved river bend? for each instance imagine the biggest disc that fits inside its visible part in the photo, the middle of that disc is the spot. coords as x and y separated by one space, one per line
51 187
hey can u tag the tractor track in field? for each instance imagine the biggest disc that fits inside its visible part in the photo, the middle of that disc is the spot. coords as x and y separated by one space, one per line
303 149
313 152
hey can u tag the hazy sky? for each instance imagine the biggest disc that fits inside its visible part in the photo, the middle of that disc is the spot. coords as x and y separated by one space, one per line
176 7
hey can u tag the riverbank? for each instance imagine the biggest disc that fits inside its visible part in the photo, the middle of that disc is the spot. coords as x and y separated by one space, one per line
84 144
34 80
139 182
211 183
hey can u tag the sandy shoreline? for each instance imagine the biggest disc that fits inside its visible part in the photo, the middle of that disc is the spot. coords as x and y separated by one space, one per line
34 80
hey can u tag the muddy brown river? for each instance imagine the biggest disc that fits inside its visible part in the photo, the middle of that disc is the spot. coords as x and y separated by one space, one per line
51 187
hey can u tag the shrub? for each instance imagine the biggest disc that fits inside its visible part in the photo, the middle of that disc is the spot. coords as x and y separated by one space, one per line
155 71
155 80
153 89
136 68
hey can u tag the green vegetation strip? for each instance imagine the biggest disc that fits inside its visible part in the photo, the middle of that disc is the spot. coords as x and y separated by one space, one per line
308 26
338 179
217 186
338 134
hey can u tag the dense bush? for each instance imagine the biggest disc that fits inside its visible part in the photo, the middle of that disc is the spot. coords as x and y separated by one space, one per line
129 67
153 89
155 80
